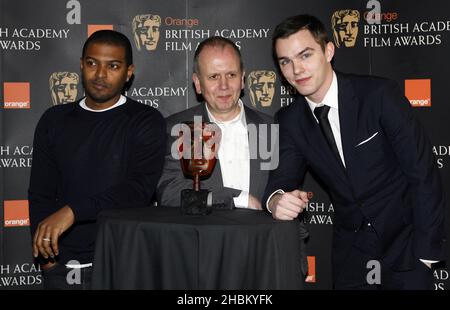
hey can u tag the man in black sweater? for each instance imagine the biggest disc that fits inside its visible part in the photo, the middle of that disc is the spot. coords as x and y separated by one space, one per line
104 151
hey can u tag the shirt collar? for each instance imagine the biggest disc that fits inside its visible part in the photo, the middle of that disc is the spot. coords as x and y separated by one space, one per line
331 97
240 118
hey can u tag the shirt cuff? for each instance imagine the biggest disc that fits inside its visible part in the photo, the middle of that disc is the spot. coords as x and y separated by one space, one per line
278 191
241 201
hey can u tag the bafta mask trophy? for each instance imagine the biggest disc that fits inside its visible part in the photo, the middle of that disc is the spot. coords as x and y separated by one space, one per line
199 146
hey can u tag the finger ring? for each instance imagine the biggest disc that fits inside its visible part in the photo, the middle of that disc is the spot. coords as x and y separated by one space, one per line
47 239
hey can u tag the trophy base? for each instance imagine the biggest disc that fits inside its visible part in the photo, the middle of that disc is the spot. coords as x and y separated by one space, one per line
195 202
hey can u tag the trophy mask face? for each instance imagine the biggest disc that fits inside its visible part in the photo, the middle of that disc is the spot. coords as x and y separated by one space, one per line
198 148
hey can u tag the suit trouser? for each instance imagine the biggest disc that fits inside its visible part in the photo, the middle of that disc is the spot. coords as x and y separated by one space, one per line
365 270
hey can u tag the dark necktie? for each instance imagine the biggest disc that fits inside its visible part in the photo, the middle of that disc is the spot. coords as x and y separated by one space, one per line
322 116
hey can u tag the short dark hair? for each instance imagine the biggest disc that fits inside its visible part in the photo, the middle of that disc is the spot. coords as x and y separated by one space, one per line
296 23
216 41
113 38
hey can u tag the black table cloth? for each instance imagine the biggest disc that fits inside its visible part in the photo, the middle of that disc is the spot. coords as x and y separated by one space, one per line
159 248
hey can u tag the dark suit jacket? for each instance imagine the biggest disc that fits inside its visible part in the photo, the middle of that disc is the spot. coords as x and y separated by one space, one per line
391 179
173 180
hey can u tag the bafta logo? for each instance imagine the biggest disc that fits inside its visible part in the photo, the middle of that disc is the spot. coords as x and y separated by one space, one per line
345 27
63 87
261 86
146 31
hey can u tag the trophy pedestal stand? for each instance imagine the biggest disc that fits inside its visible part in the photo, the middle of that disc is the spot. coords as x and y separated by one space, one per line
195 202
198 157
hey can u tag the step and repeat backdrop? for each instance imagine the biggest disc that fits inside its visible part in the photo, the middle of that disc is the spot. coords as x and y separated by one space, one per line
41 42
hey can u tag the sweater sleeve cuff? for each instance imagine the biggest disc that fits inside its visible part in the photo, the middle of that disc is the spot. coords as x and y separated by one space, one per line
83 209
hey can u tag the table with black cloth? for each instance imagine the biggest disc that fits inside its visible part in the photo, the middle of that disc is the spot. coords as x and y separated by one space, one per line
159 248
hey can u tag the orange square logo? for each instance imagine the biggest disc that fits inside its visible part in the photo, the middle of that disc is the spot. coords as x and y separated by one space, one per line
311 278
418 92
94 28
16 95
16 213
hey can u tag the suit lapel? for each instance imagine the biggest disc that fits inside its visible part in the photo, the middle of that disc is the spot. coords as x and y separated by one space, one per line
317 141
348 119
254 158
203 112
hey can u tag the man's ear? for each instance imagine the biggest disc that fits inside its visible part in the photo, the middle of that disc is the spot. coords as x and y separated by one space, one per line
196 80
329 51
130 71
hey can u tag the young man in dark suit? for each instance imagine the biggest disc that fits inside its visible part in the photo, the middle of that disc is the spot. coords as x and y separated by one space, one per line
358 134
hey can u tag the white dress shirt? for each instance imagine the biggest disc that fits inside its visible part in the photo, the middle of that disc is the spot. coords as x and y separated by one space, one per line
331 100
234 155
